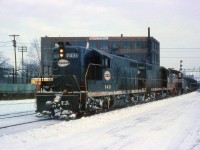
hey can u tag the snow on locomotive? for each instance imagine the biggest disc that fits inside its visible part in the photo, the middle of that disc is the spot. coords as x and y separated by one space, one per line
87 80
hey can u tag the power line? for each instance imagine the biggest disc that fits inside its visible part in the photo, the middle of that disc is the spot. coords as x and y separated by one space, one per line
181 48
180 57
25 43
4 41
181 51
4 46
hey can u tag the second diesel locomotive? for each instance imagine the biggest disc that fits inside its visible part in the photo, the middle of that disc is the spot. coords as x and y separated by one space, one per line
88 80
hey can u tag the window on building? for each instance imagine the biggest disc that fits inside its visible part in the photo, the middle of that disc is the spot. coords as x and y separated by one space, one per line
127 44
115 44
93 44
155 46
152 45
81 43
138 44
103 44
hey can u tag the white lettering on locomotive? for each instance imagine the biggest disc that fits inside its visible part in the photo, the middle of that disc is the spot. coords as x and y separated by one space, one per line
108 87
71 55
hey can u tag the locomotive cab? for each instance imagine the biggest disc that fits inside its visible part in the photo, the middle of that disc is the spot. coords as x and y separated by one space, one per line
66 88
78 73
67 68
97 70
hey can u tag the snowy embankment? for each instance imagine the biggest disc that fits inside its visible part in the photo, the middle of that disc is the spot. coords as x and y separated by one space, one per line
170 124
13 106
19 116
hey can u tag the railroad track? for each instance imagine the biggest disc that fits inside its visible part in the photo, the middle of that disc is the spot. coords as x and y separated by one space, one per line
24 123
17 104
17 114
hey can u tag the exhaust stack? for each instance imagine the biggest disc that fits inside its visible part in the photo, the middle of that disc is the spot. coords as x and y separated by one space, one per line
149 46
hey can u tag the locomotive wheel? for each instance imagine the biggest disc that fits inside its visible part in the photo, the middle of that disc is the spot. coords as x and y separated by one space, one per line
52 113
79 115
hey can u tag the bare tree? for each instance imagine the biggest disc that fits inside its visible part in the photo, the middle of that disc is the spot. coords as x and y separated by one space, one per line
32 63
34 53
4 61
5 68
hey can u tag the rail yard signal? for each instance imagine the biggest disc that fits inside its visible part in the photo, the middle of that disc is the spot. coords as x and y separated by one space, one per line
181 65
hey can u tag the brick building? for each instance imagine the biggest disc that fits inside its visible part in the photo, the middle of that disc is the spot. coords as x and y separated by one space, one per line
143 49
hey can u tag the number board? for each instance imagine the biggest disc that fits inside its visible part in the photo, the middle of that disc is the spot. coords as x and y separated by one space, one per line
71 55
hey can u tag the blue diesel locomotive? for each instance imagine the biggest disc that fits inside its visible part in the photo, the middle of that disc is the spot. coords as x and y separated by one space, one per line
86 81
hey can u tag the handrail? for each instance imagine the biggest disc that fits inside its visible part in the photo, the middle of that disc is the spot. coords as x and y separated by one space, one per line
77 85
86 74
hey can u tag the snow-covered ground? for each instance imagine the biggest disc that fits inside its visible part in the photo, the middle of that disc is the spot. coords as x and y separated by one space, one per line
170 124
17 112
13 106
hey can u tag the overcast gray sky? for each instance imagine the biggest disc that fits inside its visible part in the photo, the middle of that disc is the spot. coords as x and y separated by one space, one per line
174 23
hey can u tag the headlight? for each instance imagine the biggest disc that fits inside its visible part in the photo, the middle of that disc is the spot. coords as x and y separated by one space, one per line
61 55
61 50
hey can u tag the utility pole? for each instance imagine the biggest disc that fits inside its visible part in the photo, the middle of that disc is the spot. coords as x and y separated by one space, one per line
14 45
22 49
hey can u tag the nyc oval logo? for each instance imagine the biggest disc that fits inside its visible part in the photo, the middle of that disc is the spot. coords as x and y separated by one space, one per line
63 63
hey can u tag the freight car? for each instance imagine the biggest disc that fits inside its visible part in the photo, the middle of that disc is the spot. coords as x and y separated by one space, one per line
189 84
86 81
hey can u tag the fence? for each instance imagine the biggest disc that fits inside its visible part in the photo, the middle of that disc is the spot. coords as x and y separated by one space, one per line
17 91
